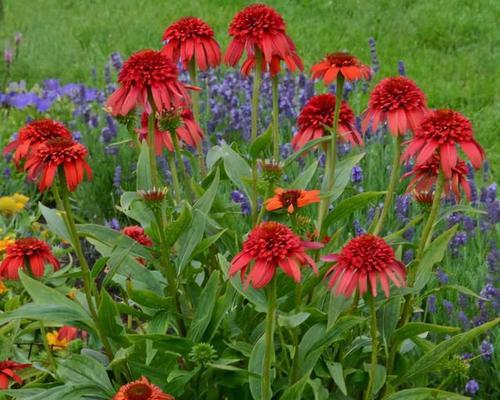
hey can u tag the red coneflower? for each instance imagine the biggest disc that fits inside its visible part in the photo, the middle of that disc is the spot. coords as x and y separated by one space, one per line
7 371
28 253
317 116
344 63
259 27
33 134
268 246
145 73
366 258
44 163
397 101
60 339
192 38
141 389
425 177
442 130
291 199
136 232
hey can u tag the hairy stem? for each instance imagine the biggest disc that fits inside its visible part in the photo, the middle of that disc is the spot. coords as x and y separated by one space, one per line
196 112
269 341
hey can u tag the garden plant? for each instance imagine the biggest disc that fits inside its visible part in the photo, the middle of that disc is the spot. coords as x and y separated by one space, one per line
229 223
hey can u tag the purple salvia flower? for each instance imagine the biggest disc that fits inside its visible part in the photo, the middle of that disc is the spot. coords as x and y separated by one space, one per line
486 349
117 178
463 320
116 61
442 276
358 230
7 172
113 224
454 219
409 234
403 207
448 306
489 194
356 174
373 55
241 199
408 256
469 223
431 304
401 68
471 387
457 241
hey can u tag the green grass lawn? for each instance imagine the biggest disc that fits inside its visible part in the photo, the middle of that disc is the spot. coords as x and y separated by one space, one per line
451 48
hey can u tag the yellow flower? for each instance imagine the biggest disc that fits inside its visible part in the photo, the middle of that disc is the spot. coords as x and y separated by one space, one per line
3 288
20 198
55 342
5 242
72 294
7 205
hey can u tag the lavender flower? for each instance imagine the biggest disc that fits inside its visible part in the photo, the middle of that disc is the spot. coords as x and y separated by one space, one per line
471 387
356 174
7 55
116 61
469 223
463 320
403 207
241 199
409 233
408 256
458 240
401 68
373 55
486 349
441 276
358 230
448 306
113 224
431 304
117 178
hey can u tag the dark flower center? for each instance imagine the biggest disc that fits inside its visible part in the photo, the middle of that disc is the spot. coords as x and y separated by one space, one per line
342 59
139 391
290 198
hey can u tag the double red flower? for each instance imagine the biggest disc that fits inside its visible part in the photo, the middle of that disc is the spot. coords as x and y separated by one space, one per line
271 245
28 253
317 116
397 101
442 131
260 28
137 233
365 260
7 371
45 161
141 389
146 76
189 39
34 134
344 64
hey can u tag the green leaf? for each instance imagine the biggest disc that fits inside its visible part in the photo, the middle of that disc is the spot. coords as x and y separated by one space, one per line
305 177
148 298
458 288
236 167
260 144
349 206
109 317
412 329
380 376
81 370
204 203
434 254
255 367
305 149
387 319
430 359
337 373
175 344
205 308
294 392
174 229
132 206
459 209
207 242
425 394
292 320
144 180
55 222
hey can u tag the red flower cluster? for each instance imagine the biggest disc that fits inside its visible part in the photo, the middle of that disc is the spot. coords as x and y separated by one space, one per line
148 75
397 101
136 232
7 371
270 245
317 116
26 253
141 389
425 176
44 163
34 134
188 131
191 38
340 63
441 131
365 260
261 28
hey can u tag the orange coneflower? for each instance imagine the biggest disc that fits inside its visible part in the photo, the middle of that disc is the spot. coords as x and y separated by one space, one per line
148 73
33 134
27 253
271 245
259 27
340 63
44 163
317 117
442 131
191 38
291 199
397 101
7 371
141 389
425 177
365 260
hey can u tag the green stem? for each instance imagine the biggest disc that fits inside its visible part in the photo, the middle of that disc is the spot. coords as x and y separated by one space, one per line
269 342
331 156
175 178
184 174
424 239
393 181
275 126
86 276
168 271
151 145
373 332
52 361
253 137
196 112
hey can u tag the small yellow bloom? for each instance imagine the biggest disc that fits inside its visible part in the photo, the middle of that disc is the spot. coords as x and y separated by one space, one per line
3 288
5 242
20 198
55 343
7 205
72 294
